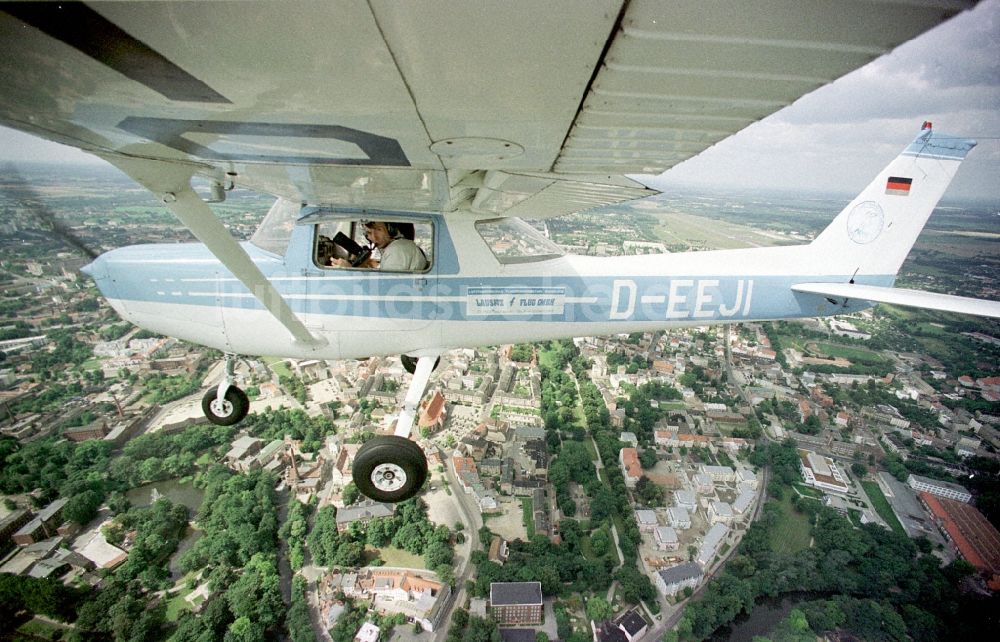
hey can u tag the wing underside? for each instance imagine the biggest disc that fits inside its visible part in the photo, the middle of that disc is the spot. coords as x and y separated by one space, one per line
514 107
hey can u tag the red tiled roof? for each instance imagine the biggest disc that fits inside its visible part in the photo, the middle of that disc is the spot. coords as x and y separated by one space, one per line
975 537
433 412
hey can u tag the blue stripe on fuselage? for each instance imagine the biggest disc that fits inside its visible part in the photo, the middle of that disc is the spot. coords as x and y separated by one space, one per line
201 281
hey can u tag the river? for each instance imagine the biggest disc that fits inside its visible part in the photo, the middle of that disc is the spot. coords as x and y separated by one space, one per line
765 616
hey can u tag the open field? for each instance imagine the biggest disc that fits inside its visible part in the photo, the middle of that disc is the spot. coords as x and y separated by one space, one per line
792 532
702 232
398 557
882 507
527 514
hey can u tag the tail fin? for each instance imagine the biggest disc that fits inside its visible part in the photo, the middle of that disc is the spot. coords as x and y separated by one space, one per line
875 232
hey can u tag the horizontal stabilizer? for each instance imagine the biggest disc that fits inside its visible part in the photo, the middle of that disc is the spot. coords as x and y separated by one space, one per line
902 296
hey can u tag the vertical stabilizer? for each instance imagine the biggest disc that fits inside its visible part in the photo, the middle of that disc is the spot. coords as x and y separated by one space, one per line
874 233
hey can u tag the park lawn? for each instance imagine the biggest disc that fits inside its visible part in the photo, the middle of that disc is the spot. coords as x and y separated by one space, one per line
808 491
178 604
39 630
528 515
850 353
546 358
882 506
398 557
591 448
279 366
792 533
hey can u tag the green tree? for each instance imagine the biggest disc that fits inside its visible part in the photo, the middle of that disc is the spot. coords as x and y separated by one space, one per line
598 609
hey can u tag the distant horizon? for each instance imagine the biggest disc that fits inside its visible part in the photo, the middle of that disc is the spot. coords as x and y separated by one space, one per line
665 187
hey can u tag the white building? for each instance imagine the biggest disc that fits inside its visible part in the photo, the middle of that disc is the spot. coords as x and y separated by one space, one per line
718 473
679 517
743 502
666 538
747 477
646 519
686 499
720 512
710 545
367 633
821 472
677 578
703 484
939 488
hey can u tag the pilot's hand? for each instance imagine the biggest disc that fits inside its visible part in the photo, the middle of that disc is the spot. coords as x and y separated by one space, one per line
342 263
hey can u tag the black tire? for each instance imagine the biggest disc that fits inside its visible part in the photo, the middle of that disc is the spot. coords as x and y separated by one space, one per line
389 469
410 363
234 408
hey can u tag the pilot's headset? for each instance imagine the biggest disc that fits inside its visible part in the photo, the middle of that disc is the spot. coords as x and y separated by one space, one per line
392 229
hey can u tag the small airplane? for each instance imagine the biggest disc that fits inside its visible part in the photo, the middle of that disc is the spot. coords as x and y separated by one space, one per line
379 124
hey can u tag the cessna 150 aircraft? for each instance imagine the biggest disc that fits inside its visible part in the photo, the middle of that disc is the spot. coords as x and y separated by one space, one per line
445 124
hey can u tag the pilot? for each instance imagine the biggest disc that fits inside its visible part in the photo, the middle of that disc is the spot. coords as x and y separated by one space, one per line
395 243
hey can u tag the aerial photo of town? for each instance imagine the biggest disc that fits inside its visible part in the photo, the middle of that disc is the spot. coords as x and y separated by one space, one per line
823 479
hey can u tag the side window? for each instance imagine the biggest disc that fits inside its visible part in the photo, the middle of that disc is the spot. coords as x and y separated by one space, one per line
387 246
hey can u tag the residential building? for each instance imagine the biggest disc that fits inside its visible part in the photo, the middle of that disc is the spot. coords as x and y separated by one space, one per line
743 502
676 578
686 499
703 484
420 599
720 512
367 633
646 519
718 473
628 458
679 517
745 476
514 603
364 512
42 526
710 545
666 538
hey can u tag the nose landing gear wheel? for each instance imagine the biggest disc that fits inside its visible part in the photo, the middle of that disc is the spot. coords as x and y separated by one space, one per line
231 410
389 469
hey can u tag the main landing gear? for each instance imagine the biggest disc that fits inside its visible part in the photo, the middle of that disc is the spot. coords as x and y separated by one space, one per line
226 404
393 468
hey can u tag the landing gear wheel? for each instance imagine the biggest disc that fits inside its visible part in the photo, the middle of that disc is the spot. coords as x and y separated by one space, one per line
230 411
410 363
389 469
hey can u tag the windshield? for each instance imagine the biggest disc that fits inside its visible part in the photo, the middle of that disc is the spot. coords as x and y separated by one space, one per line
513 241
276 229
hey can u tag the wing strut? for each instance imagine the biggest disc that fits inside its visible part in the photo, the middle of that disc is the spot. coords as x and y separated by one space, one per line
422 375
172 184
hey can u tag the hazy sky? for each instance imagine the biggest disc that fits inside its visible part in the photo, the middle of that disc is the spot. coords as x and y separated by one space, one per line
840 136
836 138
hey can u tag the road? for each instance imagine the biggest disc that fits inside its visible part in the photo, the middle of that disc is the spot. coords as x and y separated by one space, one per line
473 520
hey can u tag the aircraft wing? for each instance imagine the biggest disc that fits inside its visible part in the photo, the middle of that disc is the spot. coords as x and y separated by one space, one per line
904 297
516 107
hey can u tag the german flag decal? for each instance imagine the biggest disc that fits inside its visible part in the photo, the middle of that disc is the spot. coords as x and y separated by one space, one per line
898 186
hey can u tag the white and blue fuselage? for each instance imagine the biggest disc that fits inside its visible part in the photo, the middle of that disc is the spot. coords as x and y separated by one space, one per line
471 297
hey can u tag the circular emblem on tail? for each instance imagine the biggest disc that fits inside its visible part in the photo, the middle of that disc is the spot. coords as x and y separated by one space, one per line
865 222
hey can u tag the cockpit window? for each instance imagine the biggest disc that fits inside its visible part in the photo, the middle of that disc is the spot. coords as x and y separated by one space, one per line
513 241
387 246
275 230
